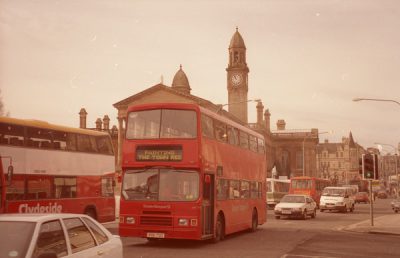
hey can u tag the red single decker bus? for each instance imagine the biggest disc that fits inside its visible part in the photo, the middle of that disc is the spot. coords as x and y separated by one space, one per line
190 173
311 186
56 169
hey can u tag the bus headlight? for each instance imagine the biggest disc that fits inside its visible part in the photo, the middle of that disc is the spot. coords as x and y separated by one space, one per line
130 220
183 222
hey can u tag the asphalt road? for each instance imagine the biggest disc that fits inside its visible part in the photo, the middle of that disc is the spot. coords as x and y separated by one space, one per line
321 237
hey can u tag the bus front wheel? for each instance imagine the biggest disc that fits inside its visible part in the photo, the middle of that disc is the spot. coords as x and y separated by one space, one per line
219 230
254 221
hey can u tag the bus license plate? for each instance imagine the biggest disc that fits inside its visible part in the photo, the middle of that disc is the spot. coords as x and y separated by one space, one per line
286 212
155 235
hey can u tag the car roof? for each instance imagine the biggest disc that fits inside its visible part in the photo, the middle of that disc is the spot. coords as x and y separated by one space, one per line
37 217
302 195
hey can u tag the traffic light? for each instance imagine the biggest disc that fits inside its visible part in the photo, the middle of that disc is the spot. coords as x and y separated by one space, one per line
368 166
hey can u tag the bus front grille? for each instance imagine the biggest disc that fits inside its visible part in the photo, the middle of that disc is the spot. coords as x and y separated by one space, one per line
156 221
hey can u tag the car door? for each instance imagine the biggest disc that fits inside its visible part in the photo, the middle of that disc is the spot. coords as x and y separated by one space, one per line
81 241
309 205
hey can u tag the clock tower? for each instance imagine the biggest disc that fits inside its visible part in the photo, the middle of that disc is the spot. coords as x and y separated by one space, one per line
237 77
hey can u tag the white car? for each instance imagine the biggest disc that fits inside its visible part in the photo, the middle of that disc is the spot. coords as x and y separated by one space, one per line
56 235
296 205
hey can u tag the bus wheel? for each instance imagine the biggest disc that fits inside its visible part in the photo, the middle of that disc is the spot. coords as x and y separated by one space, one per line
219 230
91 213
254 221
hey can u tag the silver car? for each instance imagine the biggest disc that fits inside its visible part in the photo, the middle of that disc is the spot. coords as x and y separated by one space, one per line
56 235
296 205
396 205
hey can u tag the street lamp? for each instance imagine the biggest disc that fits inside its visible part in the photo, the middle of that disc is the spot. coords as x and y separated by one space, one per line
396 170
220 106
304 140
386 100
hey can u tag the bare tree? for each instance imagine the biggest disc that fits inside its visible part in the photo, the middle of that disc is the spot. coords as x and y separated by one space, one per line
3 112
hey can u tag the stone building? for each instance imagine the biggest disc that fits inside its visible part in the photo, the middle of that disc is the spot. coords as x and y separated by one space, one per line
339 161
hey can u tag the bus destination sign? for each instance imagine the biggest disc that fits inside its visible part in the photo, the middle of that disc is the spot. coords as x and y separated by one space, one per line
159 153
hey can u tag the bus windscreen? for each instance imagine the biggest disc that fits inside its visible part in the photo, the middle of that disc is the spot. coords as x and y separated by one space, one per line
161 124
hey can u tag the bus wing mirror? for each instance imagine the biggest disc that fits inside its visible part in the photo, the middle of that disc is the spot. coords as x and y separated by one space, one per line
10 173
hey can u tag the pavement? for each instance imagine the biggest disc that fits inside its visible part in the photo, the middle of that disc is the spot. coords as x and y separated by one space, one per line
386 224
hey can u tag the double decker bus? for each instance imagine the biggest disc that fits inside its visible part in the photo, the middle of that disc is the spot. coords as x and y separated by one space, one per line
276 189
190 173
56 169
311 186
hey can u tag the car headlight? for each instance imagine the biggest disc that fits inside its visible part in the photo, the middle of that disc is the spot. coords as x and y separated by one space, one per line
278 208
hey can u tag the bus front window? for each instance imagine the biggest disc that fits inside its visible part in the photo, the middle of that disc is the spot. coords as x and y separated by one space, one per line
161 124
161 184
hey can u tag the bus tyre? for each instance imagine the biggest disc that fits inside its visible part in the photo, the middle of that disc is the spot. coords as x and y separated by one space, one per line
91 213
254 221
219 230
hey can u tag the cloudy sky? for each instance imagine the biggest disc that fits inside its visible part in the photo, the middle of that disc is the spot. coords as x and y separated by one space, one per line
307 59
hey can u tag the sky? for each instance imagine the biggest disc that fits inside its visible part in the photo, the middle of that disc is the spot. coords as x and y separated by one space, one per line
307 59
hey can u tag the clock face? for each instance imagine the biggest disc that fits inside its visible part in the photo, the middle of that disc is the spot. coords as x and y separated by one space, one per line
236 79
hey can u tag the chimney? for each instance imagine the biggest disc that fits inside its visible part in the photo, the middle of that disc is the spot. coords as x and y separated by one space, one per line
267 118
98 124
106 123
260 110
281 125
82 118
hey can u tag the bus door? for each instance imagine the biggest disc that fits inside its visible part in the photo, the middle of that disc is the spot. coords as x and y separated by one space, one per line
208 205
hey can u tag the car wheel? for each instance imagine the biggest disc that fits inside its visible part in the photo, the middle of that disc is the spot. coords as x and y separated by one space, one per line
304 216
352 208
345 209
314 214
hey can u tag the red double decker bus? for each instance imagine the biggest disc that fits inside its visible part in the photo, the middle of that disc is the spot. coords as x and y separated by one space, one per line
190 173
311 186
56 169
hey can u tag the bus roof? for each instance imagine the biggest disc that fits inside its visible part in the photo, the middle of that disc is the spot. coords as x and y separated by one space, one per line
46 125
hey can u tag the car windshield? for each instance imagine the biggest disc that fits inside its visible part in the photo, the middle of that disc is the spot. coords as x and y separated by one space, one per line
333 192
163 184
293 199
15 238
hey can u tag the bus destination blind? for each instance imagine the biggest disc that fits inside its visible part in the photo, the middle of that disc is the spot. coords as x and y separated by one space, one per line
159 153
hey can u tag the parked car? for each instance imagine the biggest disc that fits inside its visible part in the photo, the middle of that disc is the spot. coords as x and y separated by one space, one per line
396 205
56 235
362 197
382 194
296 205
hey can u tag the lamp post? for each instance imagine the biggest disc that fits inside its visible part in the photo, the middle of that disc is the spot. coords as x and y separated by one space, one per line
396 169
386 100
304 140
220 106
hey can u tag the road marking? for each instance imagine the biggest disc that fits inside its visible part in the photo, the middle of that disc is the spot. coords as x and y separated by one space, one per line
306 256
